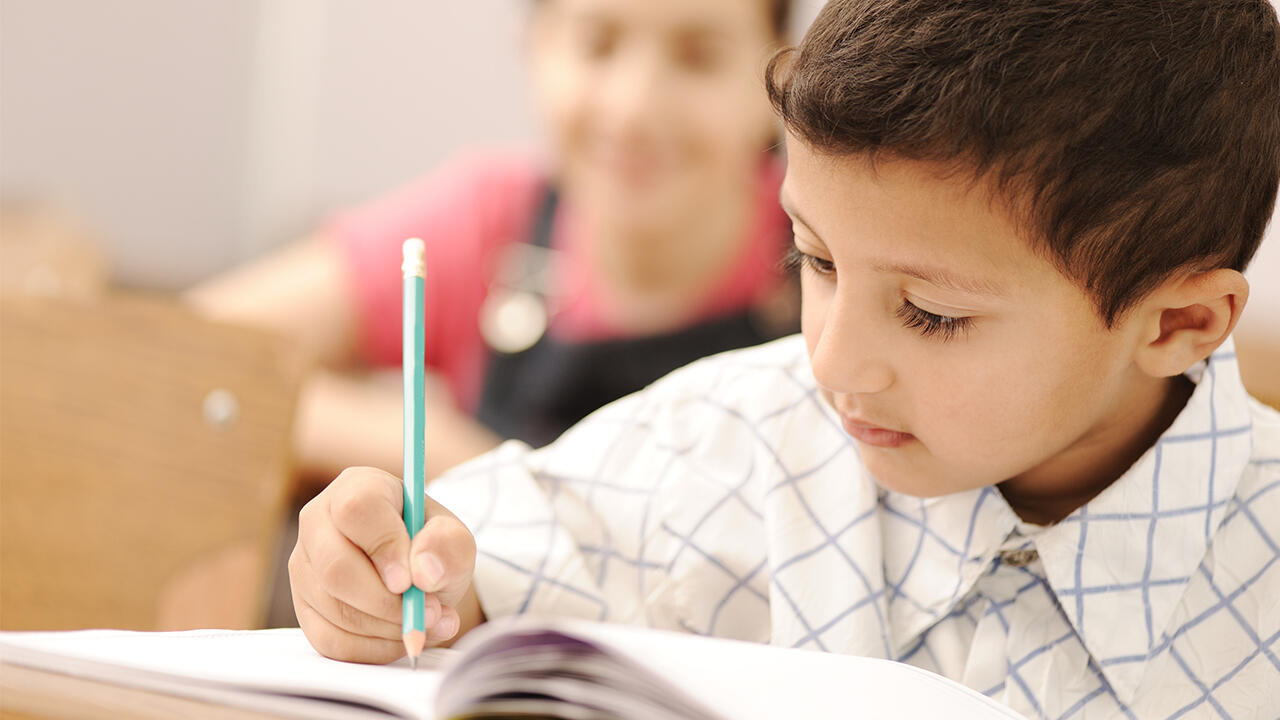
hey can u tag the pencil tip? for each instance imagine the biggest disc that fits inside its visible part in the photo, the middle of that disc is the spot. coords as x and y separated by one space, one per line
414 641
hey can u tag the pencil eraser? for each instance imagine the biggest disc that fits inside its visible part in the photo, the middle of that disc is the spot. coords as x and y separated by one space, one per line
414 262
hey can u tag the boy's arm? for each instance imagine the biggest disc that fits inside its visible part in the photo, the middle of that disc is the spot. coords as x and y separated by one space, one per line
639 514
590 526
354 558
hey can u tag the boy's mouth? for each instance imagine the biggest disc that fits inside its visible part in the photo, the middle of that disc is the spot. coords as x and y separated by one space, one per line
874 435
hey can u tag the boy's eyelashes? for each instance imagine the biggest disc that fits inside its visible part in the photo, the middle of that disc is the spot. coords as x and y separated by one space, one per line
796 260
943 327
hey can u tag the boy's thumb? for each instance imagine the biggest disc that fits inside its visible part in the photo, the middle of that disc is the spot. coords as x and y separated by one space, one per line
389 562
444 558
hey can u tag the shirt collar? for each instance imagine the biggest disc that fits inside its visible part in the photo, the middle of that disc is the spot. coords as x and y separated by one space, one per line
1100 560
935 549
1119 565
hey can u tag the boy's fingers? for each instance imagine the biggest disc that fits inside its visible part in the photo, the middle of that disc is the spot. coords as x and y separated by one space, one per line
431 610
365 506
344 572
306 590
445 628
443 558
333 642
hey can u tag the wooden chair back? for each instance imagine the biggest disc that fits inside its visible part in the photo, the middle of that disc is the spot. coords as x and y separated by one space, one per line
144 465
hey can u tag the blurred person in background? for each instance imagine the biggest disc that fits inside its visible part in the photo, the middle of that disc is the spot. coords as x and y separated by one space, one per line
646 237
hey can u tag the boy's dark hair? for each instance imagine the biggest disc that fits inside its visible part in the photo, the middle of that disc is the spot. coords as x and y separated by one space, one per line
1135 138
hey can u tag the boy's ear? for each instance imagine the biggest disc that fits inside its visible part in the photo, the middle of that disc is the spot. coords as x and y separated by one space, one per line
1187 318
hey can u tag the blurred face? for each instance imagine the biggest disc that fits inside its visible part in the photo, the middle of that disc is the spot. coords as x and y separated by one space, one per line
955 356
653 105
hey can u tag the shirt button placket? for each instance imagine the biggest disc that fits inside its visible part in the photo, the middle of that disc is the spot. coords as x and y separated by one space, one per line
1019 558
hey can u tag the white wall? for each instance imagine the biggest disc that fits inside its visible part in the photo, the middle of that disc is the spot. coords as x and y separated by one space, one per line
196 133
130 114
353 97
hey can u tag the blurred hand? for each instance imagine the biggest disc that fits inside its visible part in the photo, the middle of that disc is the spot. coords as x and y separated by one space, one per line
354 559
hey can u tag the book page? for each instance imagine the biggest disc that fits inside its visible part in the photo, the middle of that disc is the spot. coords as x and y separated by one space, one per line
277 671
267 670
747 680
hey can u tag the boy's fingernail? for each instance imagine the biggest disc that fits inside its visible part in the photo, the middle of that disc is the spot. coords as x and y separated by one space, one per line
396 577
432 569
447 627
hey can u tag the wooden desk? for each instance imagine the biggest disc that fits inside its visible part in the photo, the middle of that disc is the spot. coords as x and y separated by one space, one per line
26 694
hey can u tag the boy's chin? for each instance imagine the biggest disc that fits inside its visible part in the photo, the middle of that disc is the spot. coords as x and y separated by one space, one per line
903 479
911 486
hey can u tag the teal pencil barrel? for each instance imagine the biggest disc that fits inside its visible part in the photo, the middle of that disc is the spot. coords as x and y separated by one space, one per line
414 421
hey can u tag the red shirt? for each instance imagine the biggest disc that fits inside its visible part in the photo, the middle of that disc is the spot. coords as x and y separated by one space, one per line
466 212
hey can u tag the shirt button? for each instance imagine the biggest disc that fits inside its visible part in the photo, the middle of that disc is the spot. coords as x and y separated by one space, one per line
1019 558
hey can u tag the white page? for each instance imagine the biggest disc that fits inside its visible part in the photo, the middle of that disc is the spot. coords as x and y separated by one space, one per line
262 669
747 680
737 680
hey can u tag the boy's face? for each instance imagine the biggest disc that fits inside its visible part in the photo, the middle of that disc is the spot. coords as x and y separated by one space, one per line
955 355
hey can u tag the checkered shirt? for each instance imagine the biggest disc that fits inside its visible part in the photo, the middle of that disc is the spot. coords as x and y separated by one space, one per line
726 500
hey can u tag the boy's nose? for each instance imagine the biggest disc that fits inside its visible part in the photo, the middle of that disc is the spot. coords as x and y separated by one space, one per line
847 357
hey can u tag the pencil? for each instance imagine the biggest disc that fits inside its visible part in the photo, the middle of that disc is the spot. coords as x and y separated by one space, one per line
412 602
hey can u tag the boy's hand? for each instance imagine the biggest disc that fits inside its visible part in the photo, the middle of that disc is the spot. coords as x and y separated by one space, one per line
354 559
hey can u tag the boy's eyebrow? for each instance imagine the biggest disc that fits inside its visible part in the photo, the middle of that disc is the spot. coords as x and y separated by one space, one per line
932 275
941 278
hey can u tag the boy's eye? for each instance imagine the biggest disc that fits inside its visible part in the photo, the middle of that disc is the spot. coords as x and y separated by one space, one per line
797 260
928 324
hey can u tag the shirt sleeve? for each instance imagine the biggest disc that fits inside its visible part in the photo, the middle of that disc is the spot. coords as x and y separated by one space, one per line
647 512
463 212
552 539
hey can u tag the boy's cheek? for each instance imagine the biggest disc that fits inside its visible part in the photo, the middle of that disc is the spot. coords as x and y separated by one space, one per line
973 439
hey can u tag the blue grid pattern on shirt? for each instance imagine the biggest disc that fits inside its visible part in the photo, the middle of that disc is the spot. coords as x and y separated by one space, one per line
1236 510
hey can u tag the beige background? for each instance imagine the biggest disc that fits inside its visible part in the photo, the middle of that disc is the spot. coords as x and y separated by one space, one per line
193 134
196 133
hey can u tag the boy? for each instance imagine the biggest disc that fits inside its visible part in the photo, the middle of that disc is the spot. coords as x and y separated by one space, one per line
1012 446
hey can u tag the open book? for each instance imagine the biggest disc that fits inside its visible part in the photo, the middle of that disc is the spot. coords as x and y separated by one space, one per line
520 668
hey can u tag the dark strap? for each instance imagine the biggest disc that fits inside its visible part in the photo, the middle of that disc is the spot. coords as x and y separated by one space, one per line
544 221
537 394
